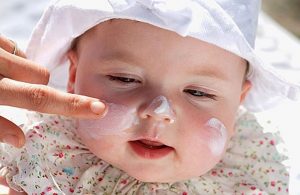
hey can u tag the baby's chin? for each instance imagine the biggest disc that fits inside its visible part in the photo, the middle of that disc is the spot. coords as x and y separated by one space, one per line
169 171
161 178
149 176
163 175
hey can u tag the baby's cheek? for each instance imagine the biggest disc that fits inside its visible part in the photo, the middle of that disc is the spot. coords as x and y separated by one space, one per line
209 134
117 121
99 146
206 144
216 136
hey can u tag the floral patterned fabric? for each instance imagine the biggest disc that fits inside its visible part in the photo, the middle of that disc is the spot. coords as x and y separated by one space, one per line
54 161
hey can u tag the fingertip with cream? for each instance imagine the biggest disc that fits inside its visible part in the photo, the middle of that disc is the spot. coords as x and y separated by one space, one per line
98 108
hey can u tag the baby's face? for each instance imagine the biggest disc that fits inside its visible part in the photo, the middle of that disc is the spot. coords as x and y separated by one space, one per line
182 93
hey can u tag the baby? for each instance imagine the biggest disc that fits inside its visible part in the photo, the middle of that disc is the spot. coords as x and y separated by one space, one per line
173 75
173 86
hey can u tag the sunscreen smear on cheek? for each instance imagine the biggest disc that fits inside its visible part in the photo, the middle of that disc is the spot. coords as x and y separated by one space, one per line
117 120
120 120
217 136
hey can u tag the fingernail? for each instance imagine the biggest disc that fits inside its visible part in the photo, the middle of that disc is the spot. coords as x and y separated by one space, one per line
11 140
97 107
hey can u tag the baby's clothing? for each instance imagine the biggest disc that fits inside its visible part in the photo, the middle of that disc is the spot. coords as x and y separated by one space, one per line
54 161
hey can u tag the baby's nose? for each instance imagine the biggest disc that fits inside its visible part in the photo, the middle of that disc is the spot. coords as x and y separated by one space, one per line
159 109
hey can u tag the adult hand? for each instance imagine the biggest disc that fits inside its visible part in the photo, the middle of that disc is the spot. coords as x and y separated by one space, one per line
23 85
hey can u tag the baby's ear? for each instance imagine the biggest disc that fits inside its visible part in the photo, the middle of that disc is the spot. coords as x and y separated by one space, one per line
73 59
245 90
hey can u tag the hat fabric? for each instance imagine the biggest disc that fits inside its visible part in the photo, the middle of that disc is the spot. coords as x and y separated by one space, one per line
228 24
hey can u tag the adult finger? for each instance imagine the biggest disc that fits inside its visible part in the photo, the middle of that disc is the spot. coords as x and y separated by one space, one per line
3 184
11 47
21 69
45 99
10 133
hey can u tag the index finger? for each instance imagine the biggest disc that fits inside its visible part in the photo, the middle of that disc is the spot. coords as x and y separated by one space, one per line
45 99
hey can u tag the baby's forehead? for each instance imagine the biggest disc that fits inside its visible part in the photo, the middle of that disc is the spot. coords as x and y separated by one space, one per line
144 45
114 30
136 40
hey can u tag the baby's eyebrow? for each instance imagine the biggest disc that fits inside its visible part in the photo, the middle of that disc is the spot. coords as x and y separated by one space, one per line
111 60
209 72
121 55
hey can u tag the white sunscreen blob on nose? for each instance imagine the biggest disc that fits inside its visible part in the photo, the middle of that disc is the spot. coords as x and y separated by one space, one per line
117 120
218 136
161 106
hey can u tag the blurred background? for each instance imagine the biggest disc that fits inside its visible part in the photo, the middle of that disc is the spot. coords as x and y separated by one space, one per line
285 12
277 42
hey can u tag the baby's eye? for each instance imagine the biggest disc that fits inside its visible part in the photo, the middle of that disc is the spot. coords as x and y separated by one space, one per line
123 79
199 94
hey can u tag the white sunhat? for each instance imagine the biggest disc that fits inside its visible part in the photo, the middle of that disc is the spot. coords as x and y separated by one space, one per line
228 24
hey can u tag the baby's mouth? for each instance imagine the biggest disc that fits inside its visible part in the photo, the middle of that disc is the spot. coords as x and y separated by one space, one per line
151 144
150 149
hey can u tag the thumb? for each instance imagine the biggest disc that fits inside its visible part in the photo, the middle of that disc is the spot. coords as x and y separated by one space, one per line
10 133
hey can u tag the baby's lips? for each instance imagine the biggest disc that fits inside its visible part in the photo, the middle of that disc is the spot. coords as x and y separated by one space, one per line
150 141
